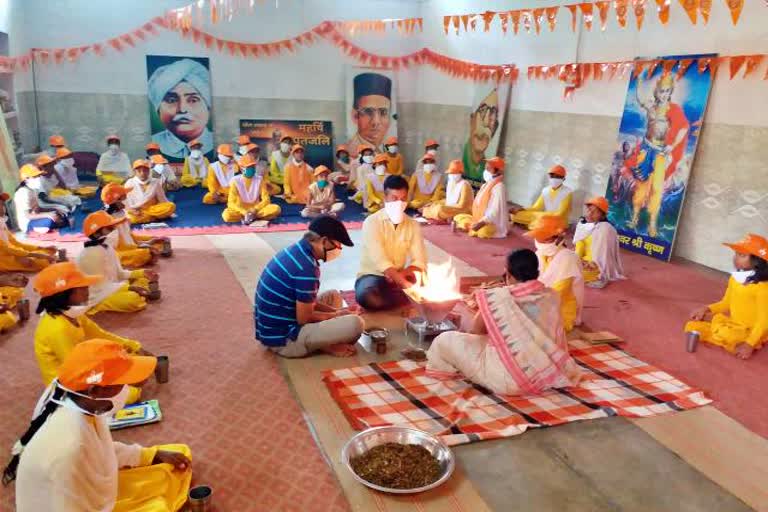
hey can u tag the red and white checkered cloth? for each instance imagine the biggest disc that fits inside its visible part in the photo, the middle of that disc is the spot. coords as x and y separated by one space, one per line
399 393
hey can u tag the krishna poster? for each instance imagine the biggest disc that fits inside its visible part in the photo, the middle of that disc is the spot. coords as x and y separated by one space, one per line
658 135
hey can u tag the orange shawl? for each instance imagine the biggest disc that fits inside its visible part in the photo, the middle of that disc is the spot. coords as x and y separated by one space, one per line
480 205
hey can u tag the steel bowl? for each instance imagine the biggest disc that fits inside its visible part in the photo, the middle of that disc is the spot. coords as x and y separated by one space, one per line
367 439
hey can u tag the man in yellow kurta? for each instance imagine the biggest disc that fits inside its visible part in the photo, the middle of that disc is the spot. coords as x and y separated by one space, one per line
146 200
555 199
67 459
114 165
596 242
431 147
322 198
297 177
559 267
16 256
67 172
458 196
249 199
278 159
373 195
220 174
739 321
426 184
394 158
195 170
489 217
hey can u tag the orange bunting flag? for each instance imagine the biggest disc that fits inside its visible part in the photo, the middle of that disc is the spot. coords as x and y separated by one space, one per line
531 72
663 8
487 19
736 62
597 71
639 8
752 62
668 65
735 6
621 12
573 8
515 16
705 7
638 68
587 14
552 17
127 39
692 8
585 71
465 21
231 47
683 67
538 18
527 17
420 23
652 67
504 17
115 43
455 20
473 22
446 23
602 8
704 63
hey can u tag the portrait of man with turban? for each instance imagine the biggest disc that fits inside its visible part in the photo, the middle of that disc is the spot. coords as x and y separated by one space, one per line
180 98
372 113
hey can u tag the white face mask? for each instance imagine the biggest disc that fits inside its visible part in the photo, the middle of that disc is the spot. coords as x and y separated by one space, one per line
546 249
741 276
242 150
395 211
432 151
285 147
112 239
298 160
381 170
118 401
555 182
196 154
158 168
35 183
487 175
332 254
429 168
368 159
454 178
223 159
392 150
114 148
75 312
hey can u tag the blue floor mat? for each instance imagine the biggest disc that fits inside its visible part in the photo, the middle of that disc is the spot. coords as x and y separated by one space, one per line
191 212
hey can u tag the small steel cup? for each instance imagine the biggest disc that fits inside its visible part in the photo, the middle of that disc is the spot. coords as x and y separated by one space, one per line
61 255
200 499
692 341
23 309
162 369
166 251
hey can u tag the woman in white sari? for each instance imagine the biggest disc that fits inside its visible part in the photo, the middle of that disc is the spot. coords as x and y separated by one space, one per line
597 244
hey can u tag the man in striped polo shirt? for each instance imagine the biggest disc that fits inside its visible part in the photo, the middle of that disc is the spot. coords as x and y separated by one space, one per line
290 317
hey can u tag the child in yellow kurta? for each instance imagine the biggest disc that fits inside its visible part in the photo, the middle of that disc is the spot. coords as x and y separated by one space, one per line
322 198
146 200
121 291
360 169
220 174
11 293
739 321
278 159
195 170
67 172
458 196
297 178
249 199
16 256
426 185
373 195
67 459
394 158
342 167
553 200
254 151
134 250
63 290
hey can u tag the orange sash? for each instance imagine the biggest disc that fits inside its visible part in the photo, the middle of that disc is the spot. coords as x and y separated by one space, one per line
483 197
300 179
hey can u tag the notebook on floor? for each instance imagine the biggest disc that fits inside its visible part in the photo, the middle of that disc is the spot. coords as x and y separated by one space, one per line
141 413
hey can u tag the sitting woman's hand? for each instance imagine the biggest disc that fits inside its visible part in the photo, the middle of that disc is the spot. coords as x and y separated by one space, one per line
179 461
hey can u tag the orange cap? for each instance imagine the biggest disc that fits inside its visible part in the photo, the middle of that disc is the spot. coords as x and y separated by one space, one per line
391 141
428 156
251 146
455 167
112 192
152 145
100 220
431 142
297 147
193 143
29 171
380 158
341 147
752 244
140 163
63 152
558 170
496 163
44 159
60 277
599 202
158 159
56 140
4 196
99 362
225 149
113 136
362 147
246 161
546 227
320 169
243 140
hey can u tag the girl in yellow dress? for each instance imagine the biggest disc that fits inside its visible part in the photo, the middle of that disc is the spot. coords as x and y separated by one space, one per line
739 321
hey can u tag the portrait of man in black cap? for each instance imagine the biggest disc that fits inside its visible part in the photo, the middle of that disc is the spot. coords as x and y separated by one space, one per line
372 110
